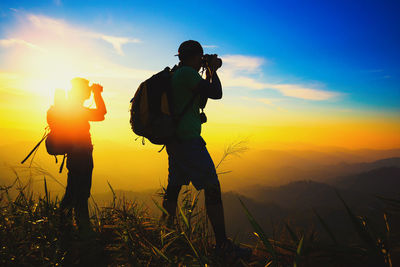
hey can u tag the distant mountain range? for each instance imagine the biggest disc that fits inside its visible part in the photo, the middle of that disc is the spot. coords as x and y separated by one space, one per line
294 203
317 172
381 180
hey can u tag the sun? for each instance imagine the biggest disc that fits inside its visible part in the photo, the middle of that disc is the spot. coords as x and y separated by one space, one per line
45 72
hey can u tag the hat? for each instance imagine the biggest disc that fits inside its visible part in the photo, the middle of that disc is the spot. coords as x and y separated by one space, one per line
79 82
189 48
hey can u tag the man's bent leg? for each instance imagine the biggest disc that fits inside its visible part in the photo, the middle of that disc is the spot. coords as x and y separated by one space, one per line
170 201
215 212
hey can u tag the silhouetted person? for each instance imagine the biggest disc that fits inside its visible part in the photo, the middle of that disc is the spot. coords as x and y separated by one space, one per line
75 131
188 158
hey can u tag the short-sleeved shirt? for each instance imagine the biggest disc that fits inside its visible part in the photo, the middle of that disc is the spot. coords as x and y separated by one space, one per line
71 124
184 80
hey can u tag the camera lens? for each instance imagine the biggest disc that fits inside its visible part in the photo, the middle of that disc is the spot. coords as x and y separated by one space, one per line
218 63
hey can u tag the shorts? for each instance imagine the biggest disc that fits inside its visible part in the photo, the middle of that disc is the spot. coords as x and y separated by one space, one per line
189 161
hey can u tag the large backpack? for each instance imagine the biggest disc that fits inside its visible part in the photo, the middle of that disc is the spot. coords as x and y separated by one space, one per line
56 143
151 109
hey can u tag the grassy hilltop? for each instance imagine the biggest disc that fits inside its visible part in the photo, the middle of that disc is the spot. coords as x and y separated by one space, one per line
127 234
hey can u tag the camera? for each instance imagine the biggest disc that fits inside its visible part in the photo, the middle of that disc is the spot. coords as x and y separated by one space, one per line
203 117
209 59
96 87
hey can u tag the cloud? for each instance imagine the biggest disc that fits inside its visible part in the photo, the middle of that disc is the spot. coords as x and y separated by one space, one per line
11 42
46 53
301 91
71 49
239 70
117 42
267 101
243 63
61 28
210 46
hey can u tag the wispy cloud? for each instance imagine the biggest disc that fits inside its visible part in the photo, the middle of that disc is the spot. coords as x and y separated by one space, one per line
239 70
117 42
272 102
46 53
301 91
61 28
243 63
67 45
12 41
267 101
210 46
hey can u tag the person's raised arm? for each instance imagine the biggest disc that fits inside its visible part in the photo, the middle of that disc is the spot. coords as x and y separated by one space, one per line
98 113
210 87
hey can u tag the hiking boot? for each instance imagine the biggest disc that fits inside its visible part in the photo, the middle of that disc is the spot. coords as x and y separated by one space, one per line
230 250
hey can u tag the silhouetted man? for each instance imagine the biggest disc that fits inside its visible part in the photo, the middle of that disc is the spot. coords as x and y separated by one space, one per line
188 158
76 133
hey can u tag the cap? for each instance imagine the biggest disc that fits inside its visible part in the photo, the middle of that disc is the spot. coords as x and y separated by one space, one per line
79 82
189 48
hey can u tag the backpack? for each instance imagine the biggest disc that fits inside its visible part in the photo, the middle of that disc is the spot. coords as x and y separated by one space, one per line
151 109
55 142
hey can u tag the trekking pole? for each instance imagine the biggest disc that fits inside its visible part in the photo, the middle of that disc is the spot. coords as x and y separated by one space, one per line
36 147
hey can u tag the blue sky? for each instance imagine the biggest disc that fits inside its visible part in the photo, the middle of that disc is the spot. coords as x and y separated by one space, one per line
351 47
316 56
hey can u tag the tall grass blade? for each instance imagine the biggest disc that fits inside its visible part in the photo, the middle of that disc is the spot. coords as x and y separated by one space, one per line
359 227
184 218
260 233
326 227
393 203
113 192
193 249
299 252
159 252
160 207
292 234
388 237
46 191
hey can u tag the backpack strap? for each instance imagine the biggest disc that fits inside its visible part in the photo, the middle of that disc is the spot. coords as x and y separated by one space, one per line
62 163
46 133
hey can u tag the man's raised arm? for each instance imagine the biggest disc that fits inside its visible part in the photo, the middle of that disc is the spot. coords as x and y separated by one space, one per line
98 113
211 87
